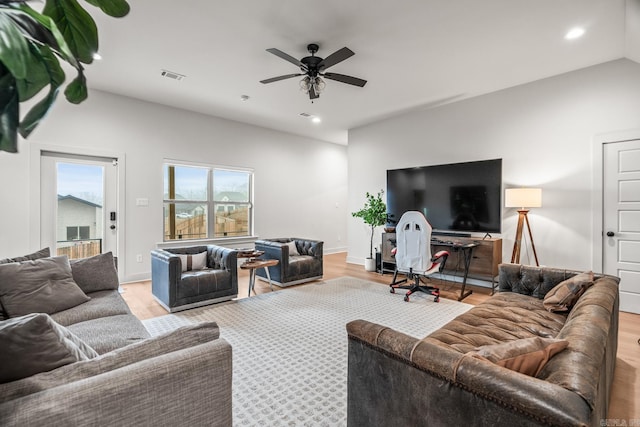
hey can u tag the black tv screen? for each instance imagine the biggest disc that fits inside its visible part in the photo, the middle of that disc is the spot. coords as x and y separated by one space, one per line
457 197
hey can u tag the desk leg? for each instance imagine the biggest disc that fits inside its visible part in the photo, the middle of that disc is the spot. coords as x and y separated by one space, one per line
467 263
266 270
252 280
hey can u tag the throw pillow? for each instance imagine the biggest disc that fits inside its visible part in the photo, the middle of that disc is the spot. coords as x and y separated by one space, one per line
293 249
35 343
42 253
97 273
565 294
193 262
39 286
527 356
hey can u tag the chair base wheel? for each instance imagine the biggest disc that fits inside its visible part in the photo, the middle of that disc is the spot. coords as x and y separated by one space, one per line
406 298
392 290
436 299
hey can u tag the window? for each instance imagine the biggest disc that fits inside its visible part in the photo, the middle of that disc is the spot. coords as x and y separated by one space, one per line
206 202
78 233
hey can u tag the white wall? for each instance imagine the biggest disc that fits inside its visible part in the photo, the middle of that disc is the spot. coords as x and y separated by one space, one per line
300 183
544 132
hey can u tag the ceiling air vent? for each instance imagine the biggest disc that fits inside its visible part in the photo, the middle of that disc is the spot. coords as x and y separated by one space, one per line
171 75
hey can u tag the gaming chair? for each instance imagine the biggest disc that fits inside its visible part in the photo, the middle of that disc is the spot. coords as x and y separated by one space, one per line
413 255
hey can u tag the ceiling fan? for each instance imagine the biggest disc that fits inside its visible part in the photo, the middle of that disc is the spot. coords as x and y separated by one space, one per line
313 68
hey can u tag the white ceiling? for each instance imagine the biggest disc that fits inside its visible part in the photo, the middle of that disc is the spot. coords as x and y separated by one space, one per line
413 53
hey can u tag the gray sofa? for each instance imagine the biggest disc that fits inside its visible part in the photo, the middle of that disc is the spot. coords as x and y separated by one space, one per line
178 290
395 379
292 269
180 378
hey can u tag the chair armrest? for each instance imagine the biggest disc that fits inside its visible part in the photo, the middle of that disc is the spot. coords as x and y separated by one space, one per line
161 390
166 273
273 250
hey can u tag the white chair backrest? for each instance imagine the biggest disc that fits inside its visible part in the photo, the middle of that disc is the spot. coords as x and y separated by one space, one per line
413 242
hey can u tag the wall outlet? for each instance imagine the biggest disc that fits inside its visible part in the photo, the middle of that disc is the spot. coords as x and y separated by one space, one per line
139 258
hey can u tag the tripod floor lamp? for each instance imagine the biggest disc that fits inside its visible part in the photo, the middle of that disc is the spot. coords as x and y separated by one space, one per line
523 198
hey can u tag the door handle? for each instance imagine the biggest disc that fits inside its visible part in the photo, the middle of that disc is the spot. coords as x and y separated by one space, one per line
610 234
113 227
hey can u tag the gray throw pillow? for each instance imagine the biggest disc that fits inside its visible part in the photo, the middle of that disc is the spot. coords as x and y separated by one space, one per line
39 286
35 343
42 253
97 273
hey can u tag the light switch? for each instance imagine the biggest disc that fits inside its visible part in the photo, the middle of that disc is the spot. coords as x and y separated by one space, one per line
142 202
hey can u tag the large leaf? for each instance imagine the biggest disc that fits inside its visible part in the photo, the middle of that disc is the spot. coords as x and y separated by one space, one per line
9 113
37 77
115 8
56 41
77 27
76 91
55 78
14 50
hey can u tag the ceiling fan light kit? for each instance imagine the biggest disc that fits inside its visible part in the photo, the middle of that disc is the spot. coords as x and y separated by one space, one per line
314 68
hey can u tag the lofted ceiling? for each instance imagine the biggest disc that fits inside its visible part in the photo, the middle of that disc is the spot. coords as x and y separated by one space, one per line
414 54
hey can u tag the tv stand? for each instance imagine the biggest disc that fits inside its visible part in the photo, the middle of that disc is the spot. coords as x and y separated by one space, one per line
450 233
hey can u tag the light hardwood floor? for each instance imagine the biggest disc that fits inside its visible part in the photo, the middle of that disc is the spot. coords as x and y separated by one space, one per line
625 397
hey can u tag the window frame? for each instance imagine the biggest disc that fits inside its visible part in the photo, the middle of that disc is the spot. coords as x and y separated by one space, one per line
210 203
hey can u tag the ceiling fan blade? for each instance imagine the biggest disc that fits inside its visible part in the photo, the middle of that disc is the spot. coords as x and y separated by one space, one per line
345 79
286 57
337 56
312 93
275 79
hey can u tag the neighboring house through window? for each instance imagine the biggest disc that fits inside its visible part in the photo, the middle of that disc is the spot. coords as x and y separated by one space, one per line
203 202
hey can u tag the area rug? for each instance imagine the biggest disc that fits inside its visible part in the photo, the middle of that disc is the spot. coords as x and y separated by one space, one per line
290 346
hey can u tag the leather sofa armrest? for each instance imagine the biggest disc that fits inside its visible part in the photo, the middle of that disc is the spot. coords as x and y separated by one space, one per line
478 392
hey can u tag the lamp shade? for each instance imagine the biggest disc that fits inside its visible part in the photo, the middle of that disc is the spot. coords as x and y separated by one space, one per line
523 198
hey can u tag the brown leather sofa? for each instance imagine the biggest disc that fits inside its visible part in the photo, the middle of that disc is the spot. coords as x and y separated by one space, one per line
398 380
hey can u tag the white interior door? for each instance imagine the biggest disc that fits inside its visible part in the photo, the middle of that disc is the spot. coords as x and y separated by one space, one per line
79 204
621 219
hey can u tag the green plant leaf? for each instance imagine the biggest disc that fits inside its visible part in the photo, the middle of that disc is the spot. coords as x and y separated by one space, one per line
55 79
115 8
37 78
9 113
76 25
76 91
55 39
14 50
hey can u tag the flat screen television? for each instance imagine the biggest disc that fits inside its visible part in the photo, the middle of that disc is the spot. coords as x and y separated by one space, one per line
457 198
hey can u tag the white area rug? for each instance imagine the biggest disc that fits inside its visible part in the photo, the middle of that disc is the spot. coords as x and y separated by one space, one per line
290 346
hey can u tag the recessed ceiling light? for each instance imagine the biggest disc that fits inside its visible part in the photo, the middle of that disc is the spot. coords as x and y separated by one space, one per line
244 98
574 33
316 119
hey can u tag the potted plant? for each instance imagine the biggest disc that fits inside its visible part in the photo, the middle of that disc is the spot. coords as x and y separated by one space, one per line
374 214
32 44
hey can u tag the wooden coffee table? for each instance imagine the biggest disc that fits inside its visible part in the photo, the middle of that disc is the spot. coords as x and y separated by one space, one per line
252 265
